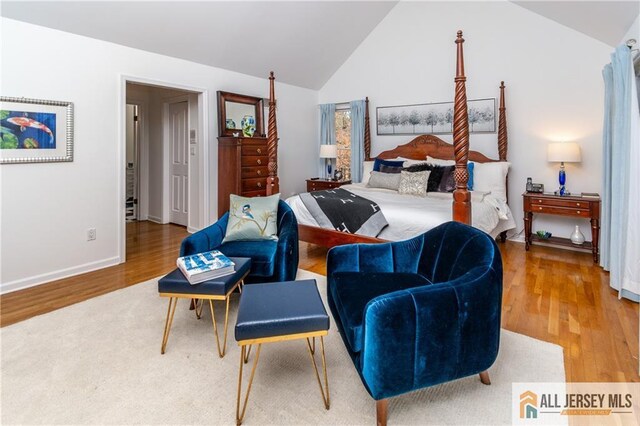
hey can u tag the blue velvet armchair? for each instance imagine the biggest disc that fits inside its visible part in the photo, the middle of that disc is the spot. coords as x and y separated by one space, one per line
271 261
420 312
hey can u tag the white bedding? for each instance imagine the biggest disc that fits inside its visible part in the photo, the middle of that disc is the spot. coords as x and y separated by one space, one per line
410 215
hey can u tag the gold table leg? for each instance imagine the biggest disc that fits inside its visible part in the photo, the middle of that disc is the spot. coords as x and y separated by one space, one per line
325 398
222 351
199 309
173 301
243 356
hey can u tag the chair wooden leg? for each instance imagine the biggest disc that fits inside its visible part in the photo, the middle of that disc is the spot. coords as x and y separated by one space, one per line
484 378
381 412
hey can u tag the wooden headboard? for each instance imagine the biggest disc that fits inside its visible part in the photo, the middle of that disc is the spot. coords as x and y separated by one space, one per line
431 145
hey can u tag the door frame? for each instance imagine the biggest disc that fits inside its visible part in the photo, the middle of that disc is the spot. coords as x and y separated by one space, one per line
142 158
201 144
166 152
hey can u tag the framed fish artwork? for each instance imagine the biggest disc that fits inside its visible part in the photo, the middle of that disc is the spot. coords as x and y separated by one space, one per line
35 131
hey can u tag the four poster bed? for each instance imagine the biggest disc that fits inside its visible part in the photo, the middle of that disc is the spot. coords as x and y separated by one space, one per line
410 215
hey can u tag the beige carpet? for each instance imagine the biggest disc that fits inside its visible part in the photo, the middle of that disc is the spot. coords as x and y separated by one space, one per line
99 362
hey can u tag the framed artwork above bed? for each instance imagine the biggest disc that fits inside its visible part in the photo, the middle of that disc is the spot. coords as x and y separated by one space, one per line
434 118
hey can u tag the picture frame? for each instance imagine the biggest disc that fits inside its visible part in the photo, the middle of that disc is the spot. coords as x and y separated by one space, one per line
35 131
434 118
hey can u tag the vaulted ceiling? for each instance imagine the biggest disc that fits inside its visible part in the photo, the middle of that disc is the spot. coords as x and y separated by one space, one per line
304 41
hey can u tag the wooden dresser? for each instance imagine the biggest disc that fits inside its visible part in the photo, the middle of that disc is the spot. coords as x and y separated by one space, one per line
242 168
576 206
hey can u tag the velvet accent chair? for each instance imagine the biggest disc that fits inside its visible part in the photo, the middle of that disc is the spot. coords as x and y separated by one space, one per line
271 261
419 312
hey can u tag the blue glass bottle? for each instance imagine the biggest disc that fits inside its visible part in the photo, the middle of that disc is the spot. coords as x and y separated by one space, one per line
562 178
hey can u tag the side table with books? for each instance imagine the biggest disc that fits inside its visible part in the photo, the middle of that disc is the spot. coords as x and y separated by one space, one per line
208 276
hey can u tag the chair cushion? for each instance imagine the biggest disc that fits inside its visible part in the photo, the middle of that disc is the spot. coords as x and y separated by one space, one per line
252 219
176 282
262 254
278 309
353 290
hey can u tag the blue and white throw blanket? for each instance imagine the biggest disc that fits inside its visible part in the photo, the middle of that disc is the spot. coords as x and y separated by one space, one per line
345 211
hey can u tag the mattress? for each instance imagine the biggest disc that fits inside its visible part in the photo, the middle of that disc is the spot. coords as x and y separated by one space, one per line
410 215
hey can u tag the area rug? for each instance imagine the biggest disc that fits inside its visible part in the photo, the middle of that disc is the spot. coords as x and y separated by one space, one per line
99 362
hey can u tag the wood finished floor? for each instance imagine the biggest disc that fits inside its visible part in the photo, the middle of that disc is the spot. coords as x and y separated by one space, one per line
550 294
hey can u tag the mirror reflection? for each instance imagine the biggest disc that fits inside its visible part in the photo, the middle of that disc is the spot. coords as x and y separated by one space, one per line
236 112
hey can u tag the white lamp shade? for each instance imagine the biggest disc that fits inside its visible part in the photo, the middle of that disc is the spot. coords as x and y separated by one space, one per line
328 151
567 152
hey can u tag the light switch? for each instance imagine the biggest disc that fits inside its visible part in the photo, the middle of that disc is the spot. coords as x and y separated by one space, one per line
193 150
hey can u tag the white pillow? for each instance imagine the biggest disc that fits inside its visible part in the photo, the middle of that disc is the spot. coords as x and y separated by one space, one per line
367 168
384 180
414 183
440 162
491 177
408 161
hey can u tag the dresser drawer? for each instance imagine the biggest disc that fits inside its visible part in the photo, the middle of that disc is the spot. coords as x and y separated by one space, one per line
255 172
251 160
254 193
254 184
566 211
559 203
254 149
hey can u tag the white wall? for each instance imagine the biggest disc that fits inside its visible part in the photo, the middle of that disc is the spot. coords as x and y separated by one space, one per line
46 208
552 73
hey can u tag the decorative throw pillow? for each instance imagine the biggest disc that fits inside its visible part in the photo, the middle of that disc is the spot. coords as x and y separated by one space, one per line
448 181
252 219
390 169
441 162
384 180
434 177
367 168
414 183
379 161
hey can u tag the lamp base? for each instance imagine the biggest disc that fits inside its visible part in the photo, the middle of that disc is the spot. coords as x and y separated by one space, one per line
561 193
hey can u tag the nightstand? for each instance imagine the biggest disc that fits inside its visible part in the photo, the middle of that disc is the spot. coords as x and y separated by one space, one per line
321 184
570 205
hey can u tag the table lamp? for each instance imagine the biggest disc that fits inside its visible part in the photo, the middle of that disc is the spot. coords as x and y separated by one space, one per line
563 152
328 152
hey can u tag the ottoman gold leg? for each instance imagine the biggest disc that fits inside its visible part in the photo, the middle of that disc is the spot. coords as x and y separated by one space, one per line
199 309
325 398
246 357
243 355
222 351
173 301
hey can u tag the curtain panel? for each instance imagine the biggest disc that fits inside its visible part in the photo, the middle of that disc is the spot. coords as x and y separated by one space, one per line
357 139
620 246
327 132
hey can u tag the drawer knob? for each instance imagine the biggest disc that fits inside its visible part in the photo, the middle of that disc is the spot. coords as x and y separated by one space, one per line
259 172
259 184
578 204
259 151
539 208
578 211
539 201
259 161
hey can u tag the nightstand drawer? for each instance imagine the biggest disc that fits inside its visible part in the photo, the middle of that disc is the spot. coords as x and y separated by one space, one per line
255 172
559 203
565 211
254 184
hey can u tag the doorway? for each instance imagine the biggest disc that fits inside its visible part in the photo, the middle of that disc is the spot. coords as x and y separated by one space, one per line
164 157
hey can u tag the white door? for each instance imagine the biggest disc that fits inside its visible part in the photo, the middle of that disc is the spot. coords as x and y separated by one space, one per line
179 162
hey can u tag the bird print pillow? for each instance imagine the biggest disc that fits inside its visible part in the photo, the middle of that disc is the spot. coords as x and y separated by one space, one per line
252 219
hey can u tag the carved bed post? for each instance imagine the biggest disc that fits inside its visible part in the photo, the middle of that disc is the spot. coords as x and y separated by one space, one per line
461 195
367 131
502 126
273 184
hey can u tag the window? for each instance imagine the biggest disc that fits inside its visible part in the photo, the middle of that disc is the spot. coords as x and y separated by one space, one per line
343 141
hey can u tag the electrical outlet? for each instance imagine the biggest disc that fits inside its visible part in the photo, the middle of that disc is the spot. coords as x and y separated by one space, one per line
91 234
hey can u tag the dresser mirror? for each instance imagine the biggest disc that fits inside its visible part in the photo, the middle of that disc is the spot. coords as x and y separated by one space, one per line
235 109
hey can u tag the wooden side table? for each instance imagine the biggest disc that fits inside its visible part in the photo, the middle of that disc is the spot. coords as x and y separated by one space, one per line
576 206
321 184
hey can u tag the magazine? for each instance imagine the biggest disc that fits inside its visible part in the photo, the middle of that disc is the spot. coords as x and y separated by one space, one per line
205 266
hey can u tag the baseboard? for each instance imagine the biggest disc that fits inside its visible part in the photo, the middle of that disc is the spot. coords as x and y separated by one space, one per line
192 230
155 219
519 238
56 275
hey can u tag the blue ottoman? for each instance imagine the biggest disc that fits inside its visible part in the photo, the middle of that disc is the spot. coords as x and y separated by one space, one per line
276 312
175 286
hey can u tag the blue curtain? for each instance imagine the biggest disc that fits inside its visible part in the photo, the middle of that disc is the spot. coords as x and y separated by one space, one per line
619 247
357 139
327 132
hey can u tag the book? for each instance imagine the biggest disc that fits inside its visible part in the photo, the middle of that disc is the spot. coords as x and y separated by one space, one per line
590 195
205 266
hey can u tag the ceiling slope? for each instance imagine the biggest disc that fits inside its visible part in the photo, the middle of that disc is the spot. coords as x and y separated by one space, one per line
304 42
607 21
